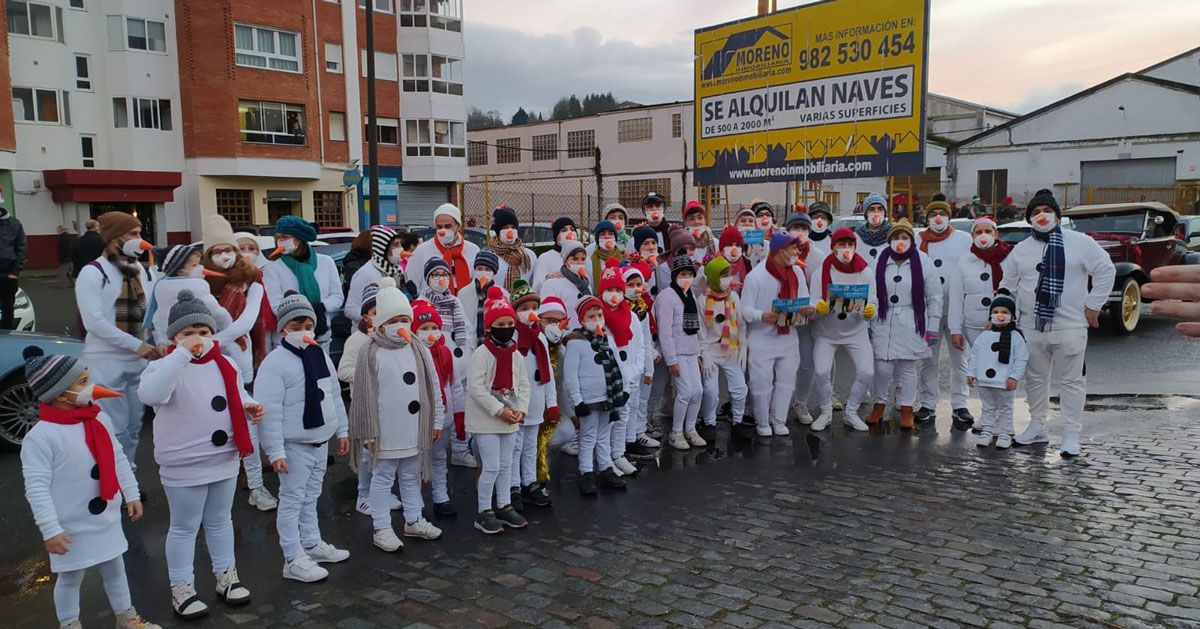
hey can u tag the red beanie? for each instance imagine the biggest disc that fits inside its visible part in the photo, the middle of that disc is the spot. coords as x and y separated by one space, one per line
424 312
731 236
692 207
610 278
640 269
496 306
843 233
587 303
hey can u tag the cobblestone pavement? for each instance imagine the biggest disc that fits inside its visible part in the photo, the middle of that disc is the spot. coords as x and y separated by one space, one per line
847 530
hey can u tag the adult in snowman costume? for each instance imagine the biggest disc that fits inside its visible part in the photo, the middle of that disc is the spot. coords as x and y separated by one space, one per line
873 234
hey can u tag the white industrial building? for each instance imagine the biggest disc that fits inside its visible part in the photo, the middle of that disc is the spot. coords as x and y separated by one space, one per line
1134 137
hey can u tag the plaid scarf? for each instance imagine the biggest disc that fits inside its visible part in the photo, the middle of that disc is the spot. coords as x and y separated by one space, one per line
1048 294
130 307
450 310
515 255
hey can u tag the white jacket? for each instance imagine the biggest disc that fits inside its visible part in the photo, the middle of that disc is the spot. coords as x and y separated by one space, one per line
840 326
400 401
279 279
240 329
469 298
868 252
583 377
483 408
366 275
969 303
96 291
945 256
166 294
985 363
1084 259
562 288
428 250
351 348
541 396
672 340
280 388
547 262
632 358
896 337
763 339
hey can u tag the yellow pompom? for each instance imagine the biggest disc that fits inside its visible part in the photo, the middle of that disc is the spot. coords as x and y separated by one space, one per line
822 307
868 311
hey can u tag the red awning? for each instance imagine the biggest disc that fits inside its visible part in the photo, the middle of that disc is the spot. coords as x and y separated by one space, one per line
89 185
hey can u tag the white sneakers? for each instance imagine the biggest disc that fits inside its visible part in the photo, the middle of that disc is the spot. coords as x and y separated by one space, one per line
800 410
823 420
262 499
324 552
648 441
763 430
1003 442
694 439
185 602
421 529
129 619
623 465
571 447
304 570
386 540
364 505
677 441
852 420
780 429
231 589
462 459
984 439
1070 446
1035 433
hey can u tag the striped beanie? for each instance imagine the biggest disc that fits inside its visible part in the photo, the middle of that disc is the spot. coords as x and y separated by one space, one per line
188 311
49 376
523 292
368 296
172 258
382 238
293 306
680 264
489 259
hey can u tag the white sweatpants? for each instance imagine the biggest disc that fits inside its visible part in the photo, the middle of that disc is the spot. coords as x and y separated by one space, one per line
658 391
252 462
927 373
997 413
190 507
116 586
806 374
772 381
641 419
633 407
863 357
299 490
125 412
618 430
1058 354
735 383
441 467
524 459
595 442
495 456
904 375
385 474
689 393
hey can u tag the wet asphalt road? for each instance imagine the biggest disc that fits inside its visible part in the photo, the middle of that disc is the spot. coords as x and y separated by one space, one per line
813 529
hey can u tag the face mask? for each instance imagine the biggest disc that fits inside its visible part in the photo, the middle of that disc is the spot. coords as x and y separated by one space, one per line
577 267
613 298
686 285
900 245
791 259
300 338
206 343
483 277
875 218
939 223
396 256
655 216
397 331
554 333
800 234
649 252
431 337
984 241
502 336
85 395
697 232
820 225
508 235
632 294
999 319
595 325
726 282
441 284
447 236
845 254
529 316
1045 222
287 247
132 248
225 260
565 237
733 254
607 243
197 272
619 224
764 222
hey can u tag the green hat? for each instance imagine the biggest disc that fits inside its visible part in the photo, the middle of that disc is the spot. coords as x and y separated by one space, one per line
523 292
713 271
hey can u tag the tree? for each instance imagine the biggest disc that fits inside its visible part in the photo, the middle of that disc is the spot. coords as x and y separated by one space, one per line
477 119
521 117
574 109
561 110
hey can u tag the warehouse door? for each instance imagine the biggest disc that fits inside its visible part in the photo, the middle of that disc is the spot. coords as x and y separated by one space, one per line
415 203
1128 180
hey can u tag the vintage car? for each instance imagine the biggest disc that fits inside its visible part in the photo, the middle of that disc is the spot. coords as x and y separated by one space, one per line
1139 237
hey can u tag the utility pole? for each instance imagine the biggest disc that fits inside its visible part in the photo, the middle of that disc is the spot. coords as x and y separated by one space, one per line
372 129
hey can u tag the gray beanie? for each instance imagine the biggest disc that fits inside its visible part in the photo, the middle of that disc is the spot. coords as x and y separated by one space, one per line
368 296
294 306
49 376
188 311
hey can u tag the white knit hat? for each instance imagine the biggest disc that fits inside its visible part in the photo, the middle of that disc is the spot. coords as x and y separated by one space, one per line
448 209
217 232
390 302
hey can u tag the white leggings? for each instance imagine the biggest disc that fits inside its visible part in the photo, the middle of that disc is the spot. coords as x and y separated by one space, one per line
641 416
689 393
595 442
191 507
772 381
495 455
299 489
524 459
116 586
997 413
125 412
806 374
622 430
441 469
904 373
735 382
863 358
386 471
252 462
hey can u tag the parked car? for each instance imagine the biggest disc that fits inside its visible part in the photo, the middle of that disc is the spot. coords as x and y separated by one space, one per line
962 224
1139 237
25 319
853 222
337 237
1189 231
18 406
1016 231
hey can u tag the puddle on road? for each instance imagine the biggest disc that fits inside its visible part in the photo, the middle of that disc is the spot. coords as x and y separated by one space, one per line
27 578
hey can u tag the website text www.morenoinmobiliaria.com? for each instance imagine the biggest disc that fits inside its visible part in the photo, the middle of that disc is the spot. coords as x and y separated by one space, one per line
811 168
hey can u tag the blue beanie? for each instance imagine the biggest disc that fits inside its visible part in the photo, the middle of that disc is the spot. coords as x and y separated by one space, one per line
873 199
780 240
502 217
303 230
483 258
603 226
434 264
642 234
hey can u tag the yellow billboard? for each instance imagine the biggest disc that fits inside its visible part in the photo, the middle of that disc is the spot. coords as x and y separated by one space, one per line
829 90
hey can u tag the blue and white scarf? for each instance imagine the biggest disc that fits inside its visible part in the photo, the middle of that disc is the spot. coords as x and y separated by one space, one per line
1048 295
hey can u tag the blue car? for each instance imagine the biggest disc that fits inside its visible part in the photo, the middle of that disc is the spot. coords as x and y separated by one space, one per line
18 407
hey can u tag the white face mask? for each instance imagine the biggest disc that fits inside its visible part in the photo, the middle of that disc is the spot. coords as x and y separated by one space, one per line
554 333
845 254
206 343
649 252
447 236
632 294
430 337
197 272
686 285
726 282
299 338
595 324
939 223
984 240
733 253
132 248
251 258
613 298
607 243
393 331
225 260
565 237
508 235
820 225
791 259
999 319
655 217
483 277
396 256
800 234
528 317
84 396
288 246
440 284
764 222
1045 222
619 224
698 231
875 218
900 245
576 267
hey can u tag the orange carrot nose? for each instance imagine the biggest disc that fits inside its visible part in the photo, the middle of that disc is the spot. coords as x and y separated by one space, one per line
403 332
404 255
583 272
145 246
99 393
564 324
275 252
653 260
211 273
311 341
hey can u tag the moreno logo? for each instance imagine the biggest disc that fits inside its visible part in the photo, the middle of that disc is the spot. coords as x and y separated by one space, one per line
762 47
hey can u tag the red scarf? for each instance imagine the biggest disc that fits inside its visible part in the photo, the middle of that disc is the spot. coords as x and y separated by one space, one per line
233 395
460 271
99 442
802 259
528 338
928 236
993 255
855 265
619 321
503 380
443 363
789 284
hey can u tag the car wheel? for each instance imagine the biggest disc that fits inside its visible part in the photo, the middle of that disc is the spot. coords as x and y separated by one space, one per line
1124 316
18 411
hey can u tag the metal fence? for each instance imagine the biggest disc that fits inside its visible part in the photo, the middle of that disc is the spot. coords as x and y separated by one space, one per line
1183 197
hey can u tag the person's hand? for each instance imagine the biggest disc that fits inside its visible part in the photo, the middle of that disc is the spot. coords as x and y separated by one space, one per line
970 381
932 338
280 466
674 370
58 545
134 509
510 415
770 317
437 434
700 359
520 417
344 446
1093 317
148 351
807 311
1178 289
957 341
657 359
370 446
255 411
647 379
1011 385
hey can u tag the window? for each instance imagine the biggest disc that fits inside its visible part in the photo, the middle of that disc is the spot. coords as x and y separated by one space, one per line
37 105
142 113
676 125
271 123
424 73
382 6
337 126
635 130
327 208
83 78
508 150
993 185
138 34
545 147
32 19
389 130
87 150
439 138
443 14
333 58
582 144
236 206
632 191
477 154
416 73
385 65
259 47
75 4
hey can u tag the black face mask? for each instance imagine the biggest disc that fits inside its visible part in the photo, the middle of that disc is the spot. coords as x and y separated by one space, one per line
502 336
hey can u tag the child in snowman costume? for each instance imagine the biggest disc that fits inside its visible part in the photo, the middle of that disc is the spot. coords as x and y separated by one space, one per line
179 269
76 477
627 338
386 257
595 389
997 365
472 296
638 444
681 337
396 412
910 307
841 324
427 326
570 282
799 225
202 426
543 399
603 249
723 347
437 291
873 234
303 412
550 261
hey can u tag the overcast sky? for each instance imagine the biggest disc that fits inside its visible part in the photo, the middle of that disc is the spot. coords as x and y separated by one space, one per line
1011 54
